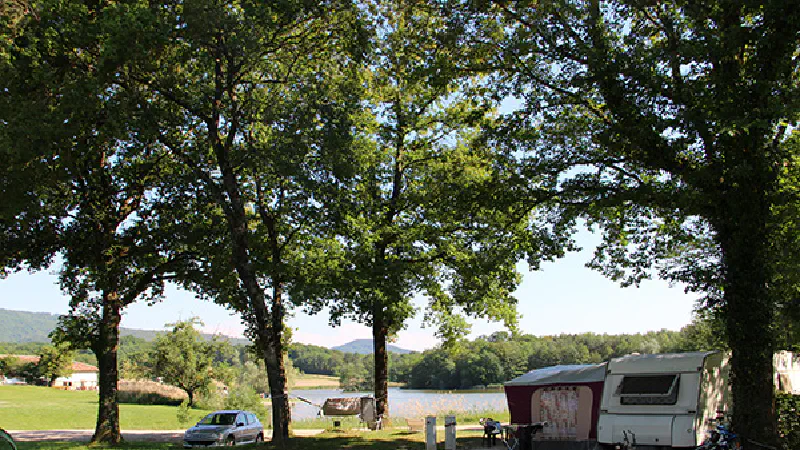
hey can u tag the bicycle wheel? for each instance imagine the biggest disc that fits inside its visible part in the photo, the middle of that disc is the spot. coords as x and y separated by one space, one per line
511 439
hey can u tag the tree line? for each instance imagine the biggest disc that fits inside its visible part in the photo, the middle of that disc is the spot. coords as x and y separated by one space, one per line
348 156
184 358
490 361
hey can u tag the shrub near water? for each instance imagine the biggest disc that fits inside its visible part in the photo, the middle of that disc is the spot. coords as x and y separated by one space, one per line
149 393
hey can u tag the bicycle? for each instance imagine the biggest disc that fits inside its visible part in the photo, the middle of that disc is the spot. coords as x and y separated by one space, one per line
511 438
721 439
6 441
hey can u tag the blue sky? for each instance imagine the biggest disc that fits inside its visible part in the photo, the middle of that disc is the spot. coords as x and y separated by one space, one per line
563 297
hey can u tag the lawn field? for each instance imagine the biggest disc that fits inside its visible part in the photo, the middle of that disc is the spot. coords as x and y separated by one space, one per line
43 408
310 381
372 440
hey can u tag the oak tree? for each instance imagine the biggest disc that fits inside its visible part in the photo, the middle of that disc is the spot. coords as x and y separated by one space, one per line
664 123
81 166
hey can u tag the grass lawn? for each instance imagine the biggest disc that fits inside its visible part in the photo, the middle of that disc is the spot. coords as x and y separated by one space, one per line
311 381
380 440
42 408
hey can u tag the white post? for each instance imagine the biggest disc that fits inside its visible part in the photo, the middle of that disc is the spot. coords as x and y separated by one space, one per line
450 432
430 433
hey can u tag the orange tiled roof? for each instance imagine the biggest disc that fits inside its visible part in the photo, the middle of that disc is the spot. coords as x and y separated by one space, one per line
76 365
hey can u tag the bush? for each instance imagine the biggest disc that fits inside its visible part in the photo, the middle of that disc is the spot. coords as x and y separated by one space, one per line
183 413
788 408
244 397
149 393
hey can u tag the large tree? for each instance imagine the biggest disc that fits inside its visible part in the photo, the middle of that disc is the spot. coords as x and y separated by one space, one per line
665 122
426 214
184 359
54 362
80 168
252 98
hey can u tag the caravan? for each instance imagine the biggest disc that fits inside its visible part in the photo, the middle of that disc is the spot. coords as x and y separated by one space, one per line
657 401
666 400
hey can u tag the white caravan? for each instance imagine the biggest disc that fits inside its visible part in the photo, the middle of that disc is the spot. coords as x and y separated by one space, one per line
666 400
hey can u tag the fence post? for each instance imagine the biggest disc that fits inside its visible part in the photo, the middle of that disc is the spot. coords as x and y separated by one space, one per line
450 433
430 433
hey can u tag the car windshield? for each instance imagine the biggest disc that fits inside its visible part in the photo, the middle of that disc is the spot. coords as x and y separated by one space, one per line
218 419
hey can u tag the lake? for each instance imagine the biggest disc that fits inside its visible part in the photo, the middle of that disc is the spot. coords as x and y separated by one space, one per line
406 402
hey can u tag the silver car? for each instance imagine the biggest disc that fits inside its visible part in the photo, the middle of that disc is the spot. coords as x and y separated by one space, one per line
224 428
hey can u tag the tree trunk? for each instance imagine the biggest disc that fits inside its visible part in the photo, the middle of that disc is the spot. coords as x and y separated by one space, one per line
748 307
107 428
276 375
379 335
276 372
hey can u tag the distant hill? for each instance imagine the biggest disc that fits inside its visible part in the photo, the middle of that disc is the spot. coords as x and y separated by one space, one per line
364 347
23 326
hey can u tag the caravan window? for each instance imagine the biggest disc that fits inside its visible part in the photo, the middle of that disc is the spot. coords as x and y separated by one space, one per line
649 389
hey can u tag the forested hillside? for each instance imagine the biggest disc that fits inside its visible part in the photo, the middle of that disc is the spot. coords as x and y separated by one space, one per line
17 327
365 347
23 326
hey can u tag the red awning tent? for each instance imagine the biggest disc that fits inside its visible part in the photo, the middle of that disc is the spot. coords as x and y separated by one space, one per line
567 397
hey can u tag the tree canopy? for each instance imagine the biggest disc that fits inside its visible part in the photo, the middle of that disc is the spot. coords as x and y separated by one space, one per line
362 155
665 124
184 359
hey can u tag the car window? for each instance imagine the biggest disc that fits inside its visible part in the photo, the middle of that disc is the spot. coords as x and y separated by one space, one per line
218 419
241 419
252 418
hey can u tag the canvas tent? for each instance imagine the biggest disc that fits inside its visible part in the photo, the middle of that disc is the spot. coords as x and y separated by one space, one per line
567 397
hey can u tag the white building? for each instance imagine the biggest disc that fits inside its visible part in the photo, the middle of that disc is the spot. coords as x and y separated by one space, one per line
83 377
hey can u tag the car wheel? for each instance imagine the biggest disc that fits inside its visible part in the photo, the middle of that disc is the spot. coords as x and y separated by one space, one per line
259 438
230 442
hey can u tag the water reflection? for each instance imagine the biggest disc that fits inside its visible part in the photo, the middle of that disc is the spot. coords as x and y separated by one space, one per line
407 403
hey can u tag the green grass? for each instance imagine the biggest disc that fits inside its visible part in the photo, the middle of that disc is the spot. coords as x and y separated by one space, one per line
83 446
42 408
375 440
352 423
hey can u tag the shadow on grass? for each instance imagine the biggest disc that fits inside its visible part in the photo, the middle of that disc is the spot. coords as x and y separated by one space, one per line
382 440
85 446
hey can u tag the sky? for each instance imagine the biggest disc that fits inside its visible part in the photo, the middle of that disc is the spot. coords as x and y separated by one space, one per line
563 297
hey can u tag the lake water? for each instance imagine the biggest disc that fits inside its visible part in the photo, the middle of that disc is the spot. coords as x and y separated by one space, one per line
406 402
